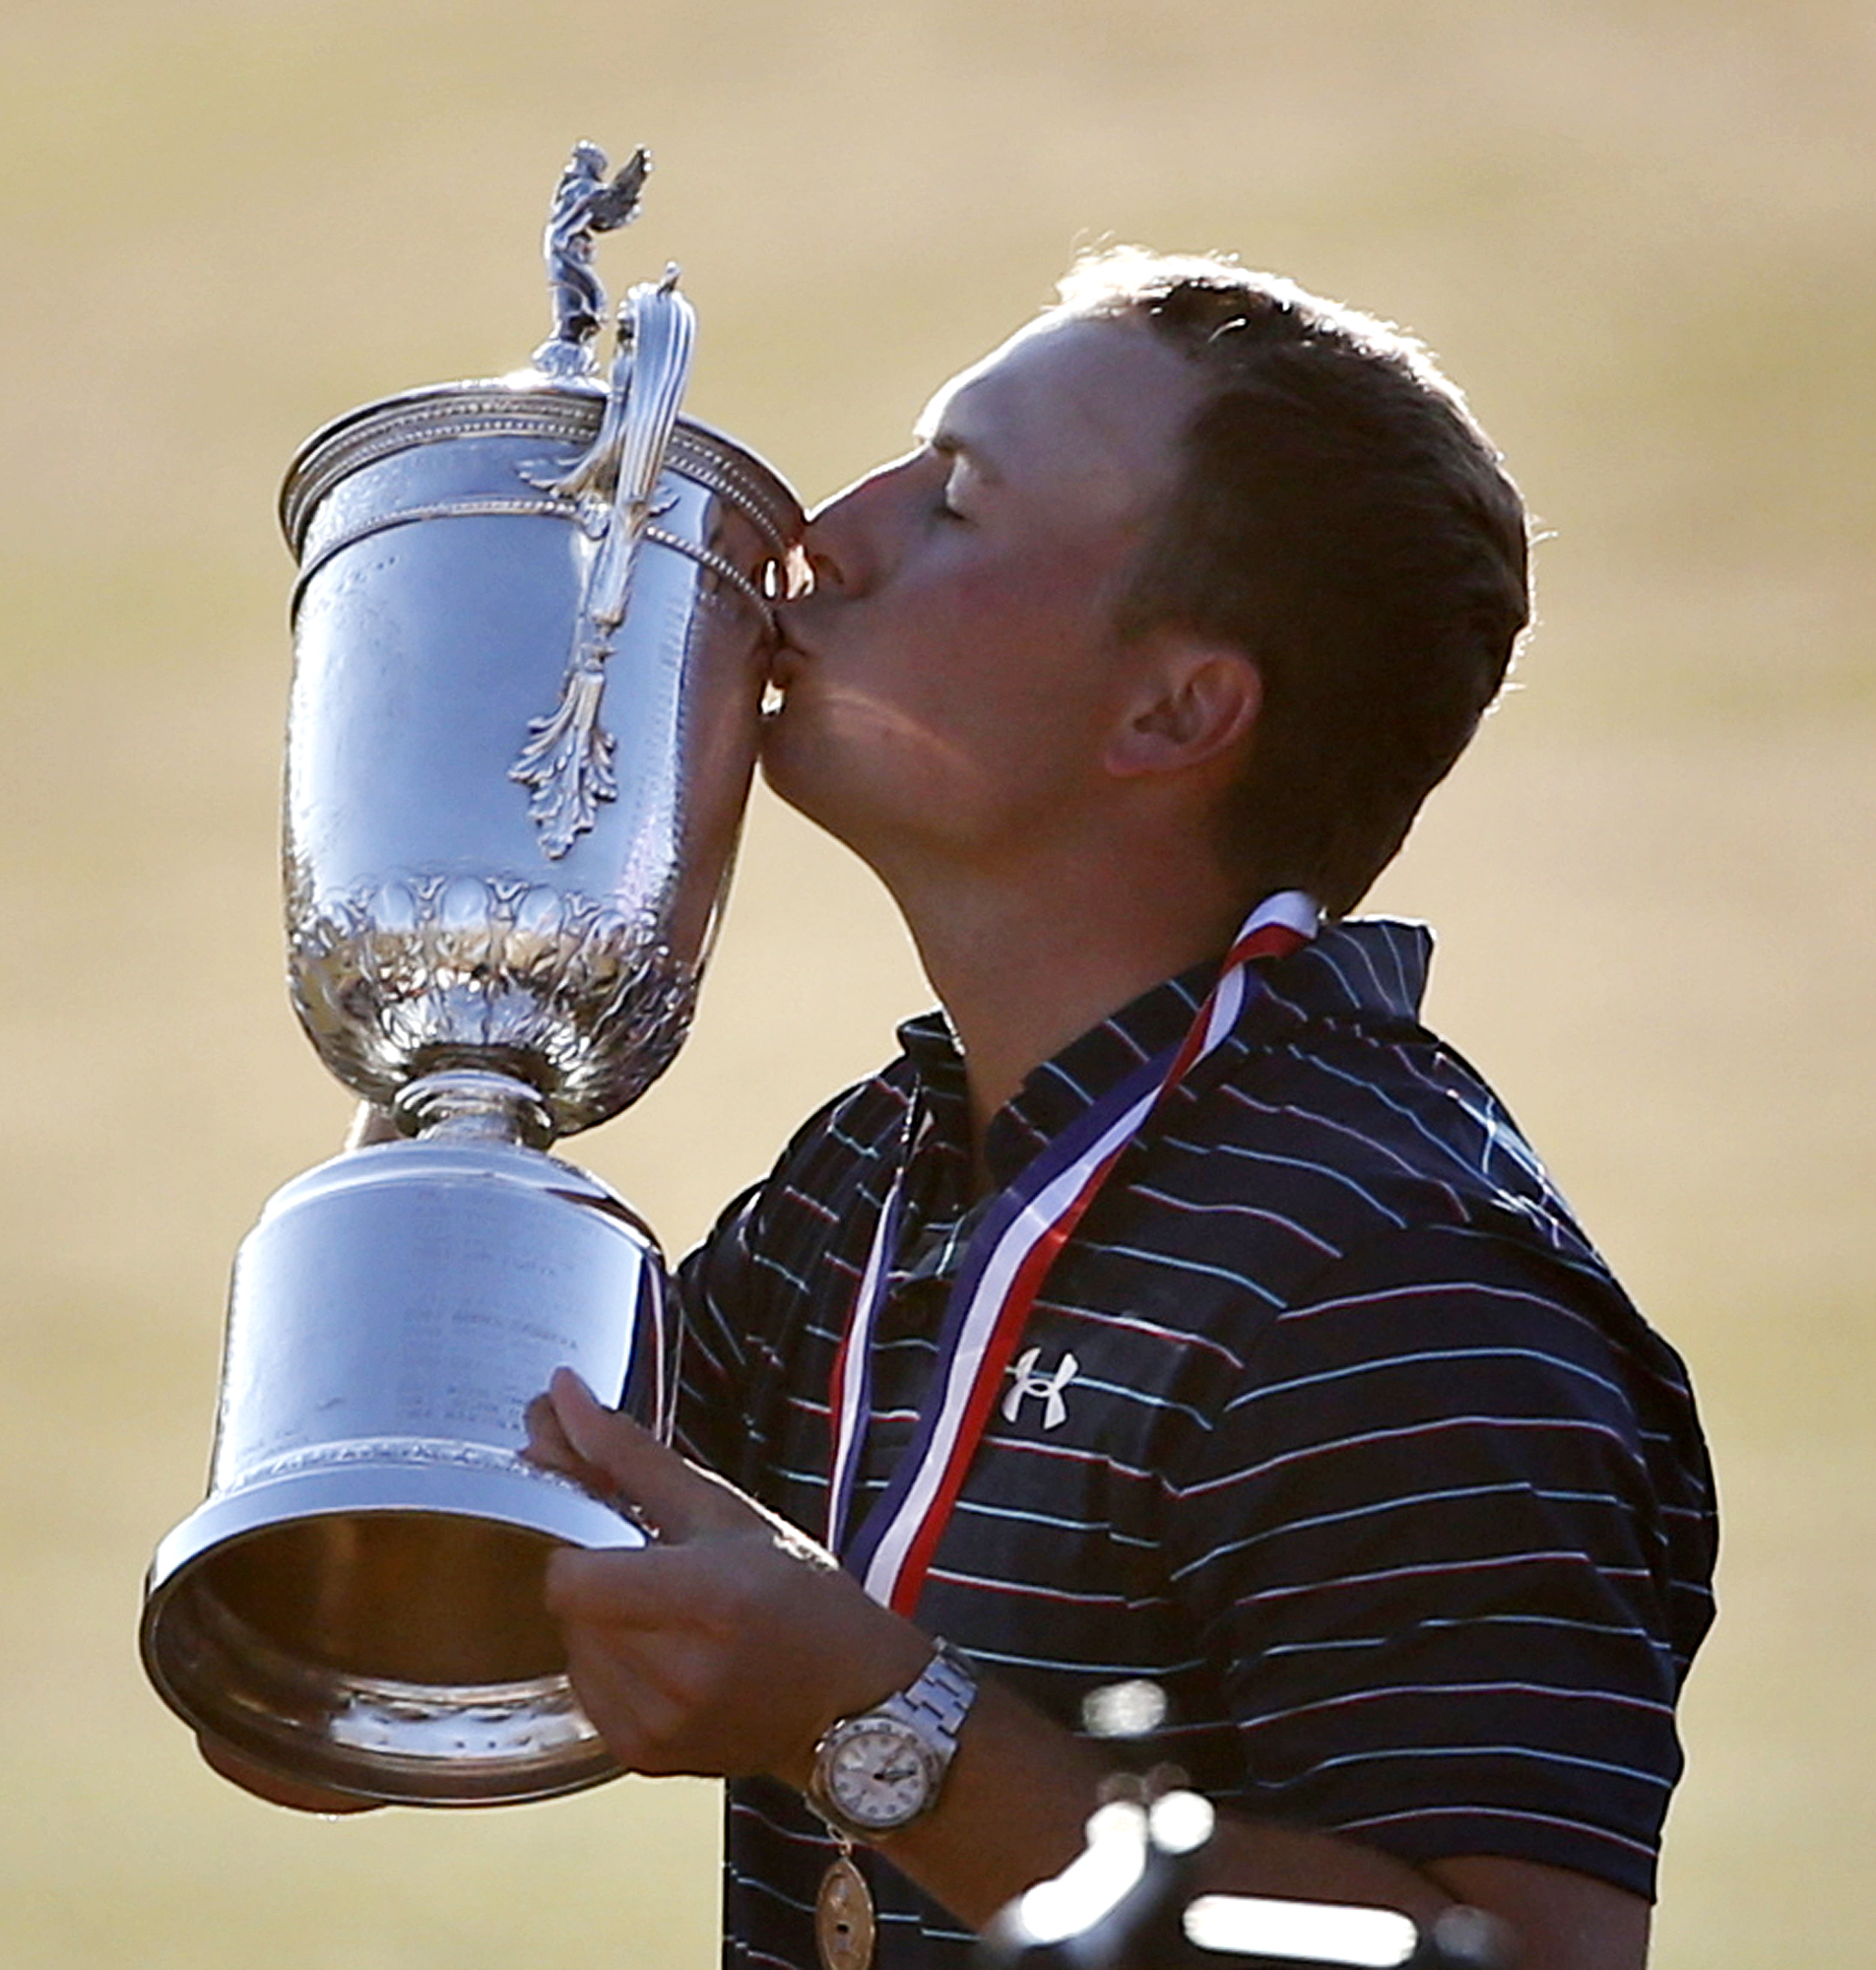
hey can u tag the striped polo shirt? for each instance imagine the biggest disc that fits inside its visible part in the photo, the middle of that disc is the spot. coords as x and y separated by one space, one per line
1328 1419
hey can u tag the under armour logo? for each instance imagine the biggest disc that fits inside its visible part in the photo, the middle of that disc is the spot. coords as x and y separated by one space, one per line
1027 1381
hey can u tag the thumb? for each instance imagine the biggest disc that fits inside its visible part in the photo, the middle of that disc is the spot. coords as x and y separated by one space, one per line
677 1499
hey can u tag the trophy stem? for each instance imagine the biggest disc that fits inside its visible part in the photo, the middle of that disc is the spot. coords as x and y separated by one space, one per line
474 1104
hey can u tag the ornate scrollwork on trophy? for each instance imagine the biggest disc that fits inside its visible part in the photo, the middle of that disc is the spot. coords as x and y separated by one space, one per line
567 760
423 965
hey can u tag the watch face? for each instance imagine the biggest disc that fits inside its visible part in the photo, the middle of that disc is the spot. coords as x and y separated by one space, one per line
878 1773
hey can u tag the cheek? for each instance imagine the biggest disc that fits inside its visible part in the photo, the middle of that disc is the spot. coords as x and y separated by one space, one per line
961 685
887 741
1005 623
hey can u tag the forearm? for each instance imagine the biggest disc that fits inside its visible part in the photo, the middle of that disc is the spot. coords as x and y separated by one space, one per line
1020 1790
732 1644
1015 1810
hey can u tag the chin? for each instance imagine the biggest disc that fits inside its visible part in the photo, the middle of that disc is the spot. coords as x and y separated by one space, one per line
843 774
789 771
778 758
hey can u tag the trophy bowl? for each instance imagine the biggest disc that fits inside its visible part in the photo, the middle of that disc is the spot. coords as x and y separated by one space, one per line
532 631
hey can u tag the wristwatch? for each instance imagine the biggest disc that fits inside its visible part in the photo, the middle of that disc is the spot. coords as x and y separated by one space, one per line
878 1772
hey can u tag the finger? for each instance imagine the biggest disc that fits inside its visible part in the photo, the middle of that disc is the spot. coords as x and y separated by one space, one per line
547 1440
548 1446
647 1588
371 1124
677 1497
639 1722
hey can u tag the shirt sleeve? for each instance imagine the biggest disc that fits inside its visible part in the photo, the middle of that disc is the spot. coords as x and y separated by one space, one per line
1449 1545
714 1289
744 1294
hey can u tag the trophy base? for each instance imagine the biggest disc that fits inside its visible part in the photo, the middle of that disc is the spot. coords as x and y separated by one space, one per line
370 1632
357 1606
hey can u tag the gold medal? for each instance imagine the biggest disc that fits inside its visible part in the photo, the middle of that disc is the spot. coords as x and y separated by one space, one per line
843 1917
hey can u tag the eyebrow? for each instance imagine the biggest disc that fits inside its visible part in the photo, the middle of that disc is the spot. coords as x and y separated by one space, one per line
948 442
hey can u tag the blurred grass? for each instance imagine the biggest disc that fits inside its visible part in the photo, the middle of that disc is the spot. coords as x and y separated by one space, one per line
1640 233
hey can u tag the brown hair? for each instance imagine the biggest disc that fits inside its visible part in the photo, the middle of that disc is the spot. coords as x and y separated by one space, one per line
1342 519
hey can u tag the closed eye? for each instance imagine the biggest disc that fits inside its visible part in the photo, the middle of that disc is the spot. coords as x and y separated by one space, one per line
952 465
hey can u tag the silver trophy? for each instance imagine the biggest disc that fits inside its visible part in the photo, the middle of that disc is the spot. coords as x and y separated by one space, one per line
531 627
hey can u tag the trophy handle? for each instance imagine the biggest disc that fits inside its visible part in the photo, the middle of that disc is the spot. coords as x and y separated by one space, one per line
657 332
567 760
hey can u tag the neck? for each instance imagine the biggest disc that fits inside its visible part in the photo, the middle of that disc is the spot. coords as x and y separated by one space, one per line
1022 971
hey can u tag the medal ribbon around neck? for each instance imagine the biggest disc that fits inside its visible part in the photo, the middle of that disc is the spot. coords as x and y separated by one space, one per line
1004 1266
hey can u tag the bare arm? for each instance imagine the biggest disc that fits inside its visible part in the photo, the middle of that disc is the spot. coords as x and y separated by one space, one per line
728 1648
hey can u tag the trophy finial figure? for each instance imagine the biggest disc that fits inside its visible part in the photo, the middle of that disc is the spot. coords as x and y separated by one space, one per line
585 202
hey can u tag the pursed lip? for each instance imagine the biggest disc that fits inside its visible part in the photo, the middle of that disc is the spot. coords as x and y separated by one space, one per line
785 666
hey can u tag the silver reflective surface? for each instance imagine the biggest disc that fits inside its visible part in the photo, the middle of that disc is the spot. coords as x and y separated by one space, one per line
429 921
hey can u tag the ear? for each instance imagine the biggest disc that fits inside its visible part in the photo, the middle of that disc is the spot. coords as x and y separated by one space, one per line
1195 700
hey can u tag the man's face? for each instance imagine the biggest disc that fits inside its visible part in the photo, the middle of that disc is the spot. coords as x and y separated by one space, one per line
948 685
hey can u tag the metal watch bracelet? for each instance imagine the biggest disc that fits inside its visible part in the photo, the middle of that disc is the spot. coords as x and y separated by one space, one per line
931 1710
936 1702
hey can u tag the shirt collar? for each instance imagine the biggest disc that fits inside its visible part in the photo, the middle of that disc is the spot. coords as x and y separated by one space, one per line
1373 970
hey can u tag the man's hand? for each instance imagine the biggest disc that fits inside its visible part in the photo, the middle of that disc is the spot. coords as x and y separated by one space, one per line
727 1646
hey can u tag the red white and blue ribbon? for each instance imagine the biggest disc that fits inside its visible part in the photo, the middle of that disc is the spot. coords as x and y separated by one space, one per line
1005 1263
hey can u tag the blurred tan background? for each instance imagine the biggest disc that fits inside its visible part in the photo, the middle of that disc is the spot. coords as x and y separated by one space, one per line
1641 233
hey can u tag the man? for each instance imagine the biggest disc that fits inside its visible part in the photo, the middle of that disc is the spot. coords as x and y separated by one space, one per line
1327 1416
1177 1307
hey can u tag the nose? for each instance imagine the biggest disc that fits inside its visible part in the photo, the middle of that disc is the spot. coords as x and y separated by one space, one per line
827 573
848 538
831 546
